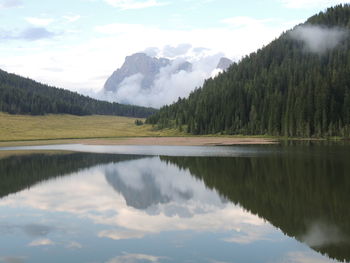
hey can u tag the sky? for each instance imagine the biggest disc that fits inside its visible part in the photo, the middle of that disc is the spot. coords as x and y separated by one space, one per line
77 44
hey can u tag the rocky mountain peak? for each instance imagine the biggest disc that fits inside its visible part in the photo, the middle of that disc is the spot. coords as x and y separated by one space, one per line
224 63
141 63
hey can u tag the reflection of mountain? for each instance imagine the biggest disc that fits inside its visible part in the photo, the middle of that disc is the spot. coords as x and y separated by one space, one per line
306 195
22 171
140 188
142 198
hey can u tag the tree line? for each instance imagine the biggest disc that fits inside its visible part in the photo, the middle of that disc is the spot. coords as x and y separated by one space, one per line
20 95
280 90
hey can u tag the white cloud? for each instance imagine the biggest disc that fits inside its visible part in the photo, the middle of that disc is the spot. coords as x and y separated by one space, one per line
72 18
41 242
244 21
318 39
39 21
134 4
116 41
10 4
311 3
169 84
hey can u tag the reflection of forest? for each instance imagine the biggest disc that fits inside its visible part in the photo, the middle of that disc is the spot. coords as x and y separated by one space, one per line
297 194
18 172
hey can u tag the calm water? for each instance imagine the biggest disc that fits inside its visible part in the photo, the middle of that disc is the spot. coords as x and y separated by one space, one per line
270 204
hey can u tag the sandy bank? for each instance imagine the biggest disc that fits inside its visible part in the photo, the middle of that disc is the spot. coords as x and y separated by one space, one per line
169 141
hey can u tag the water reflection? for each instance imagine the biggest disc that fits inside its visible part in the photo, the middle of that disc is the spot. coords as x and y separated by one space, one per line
161 209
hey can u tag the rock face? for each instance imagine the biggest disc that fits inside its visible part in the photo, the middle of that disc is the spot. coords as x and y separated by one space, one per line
143 64
224 63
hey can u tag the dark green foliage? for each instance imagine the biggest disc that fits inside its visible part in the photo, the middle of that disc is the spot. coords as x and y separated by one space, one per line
294 188
138 123
280 90
23 171
20 95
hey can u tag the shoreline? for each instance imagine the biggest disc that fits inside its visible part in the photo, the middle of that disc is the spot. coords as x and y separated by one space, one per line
150 141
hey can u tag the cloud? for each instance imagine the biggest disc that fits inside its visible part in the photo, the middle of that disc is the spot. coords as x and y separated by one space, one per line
41 242
305 4
36 33
169 84
151 51
134 4
318 39
72 18
39 21
245 21
171 52
113 42
10 4
134 258
29 34
308 4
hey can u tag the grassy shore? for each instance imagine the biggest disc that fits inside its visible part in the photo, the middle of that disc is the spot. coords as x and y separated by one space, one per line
56 127
21 130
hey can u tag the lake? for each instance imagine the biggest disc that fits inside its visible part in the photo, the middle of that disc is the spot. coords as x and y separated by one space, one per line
284 203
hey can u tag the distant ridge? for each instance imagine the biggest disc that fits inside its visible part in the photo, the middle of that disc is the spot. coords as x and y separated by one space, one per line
20 95
298 85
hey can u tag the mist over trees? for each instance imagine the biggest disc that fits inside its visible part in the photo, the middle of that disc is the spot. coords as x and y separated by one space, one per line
298 85
20 95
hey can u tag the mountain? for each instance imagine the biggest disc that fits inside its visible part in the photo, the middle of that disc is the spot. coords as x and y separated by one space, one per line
298 85
20 95
140 63
224 63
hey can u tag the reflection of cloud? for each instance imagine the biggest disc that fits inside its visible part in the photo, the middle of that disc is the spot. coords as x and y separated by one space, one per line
32 230
202 210
41 242
120 234
74 245
305 257
36 230
246 237
12 259
321 234
134 258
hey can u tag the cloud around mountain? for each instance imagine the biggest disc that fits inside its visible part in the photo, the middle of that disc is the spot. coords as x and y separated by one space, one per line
157 77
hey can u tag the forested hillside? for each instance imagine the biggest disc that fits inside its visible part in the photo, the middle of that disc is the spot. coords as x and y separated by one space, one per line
298 85
20 95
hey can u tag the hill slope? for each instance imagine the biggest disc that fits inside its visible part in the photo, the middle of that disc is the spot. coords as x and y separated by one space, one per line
298 85
20 95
